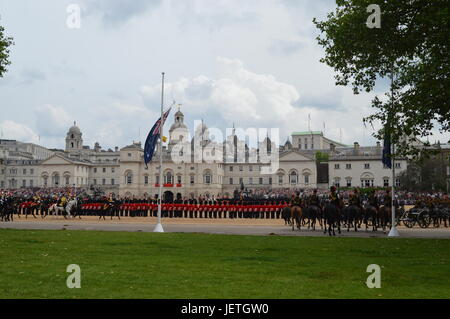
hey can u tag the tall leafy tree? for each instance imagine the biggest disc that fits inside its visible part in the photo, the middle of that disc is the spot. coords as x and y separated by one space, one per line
5 44
410 51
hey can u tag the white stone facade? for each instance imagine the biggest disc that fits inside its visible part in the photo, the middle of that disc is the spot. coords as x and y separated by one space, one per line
123 171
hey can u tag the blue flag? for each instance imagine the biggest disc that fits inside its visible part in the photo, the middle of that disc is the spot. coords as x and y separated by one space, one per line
387 150
152 138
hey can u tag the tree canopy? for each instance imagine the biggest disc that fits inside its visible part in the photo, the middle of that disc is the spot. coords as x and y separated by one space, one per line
411 45
5 44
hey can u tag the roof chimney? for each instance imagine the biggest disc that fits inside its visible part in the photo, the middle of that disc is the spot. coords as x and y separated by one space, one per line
356 148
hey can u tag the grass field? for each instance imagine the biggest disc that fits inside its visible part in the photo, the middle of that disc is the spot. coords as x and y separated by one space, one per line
148 265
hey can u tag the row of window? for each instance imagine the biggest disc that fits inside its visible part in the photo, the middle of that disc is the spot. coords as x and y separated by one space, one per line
366 166
364 182
113 169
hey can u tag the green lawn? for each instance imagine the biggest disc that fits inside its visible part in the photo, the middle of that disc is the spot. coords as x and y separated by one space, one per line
148 265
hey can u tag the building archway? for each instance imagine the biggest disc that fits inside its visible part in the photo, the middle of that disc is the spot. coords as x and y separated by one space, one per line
168 196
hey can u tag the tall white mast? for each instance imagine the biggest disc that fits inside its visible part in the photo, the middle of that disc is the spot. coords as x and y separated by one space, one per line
158 227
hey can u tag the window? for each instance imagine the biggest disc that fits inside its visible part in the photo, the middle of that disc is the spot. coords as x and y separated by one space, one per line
270 180
348 166
241 168
168 178
241 180
250 168
386 182
397 182
31 171
348 182
398 165
95 169
94 181
337 182
293 177
336 166
113 170
179 179
367 183
231 181
250 180
104 169
207 177
306 179
112 181
103 181
192 179
31 183
260 181
129 154
24 183
146 179
129 178
24 171
231 168
67 180
280 179
366 166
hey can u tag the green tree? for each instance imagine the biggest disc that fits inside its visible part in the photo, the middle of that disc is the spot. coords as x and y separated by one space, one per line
410 49
5 43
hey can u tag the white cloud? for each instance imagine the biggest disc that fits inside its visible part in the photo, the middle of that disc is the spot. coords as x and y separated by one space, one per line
246 98
17 131
52 121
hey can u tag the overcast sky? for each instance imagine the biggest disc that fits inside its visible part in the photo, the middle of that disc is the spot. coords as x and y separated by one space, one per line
254 63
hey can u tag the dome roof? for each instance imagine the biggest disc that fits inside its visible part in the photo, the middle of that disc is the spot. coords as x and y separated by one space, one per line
178 125
74 129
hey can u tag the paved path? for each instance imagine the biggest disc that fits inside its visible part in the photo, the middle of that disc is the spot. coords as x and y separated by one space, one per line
212 227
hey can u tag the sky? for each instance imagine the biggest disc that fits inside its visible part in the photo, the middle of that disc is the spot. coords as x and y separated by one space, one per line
247 63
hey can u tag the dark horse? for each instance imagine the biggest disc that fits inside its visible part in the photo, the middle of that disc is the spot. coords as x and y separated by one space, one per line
313 213
110 209
286 215
332 219
353 216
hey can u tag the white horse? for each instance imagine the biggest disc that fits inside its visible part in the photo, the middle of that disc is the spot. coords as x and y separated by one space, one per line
70 206
59 210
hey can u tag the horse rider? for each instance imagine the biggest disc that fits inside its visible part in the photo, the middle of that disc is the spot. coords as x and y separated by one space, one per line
313 199
296 200
373 200
355 198
334 197
62 202
387 200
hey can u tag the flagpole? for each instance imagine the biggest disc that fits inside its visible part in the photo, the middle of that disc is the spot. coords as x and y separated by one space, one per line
393 232
158 227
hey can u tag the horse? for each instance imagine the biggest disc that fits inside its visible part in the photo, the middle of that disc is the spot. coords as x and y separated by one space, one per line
72 208
54 209
332 219
286 215
296 216
371 213
313 213
352 215
384 216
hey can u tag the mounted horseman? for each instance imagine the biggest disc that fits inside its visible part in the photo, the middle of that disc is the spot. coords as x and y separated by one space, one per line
313 210
353 212
296 210
332 213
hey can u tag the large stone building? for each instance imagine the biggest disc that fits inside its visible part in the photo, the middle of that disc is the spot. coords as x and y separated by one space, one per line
194 166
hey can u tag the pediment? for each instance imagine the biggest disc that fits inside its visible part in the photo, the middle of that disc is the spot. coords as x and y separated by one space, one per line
56 160
294 157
